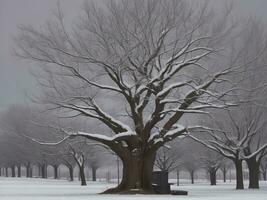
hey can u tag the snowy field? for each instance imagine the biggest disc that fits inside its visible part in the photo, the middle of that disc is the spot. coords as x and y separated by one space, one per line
40 189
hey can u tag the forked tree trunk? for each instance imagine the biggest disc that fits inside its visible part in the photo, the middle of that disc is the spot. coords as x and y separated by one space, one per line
239 175
137 174
19 171
80 164
69 166
254 171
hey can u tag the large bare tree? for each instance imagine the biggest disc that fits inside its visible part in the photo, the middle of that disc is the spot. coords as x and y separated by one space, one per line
136 67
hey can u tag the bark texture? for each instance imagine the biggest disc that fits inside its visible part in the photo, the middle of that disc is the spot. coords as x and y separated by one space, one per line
82 175
239 175
254 172
137 174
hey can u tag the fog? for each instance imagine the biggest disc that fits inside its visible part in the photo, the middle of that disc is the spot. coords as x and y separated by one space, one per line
16 83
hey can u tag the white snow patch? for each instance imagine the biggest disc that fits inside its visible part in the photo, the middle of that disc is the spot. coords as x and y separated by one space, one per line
49 189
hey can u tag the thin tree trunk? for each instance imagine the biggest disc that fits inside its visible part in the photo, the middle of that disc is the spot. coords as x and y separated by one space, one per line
264 174
55 171
6 171
31 170
28 170
177 177
0 171
70 172
239 175
39 170
224 171
44 170
254 171
192 176
93 173
19 170
13 171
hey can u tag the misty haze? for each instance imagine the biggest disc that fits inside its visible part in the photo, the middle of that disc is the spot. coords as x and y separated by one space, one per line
133 99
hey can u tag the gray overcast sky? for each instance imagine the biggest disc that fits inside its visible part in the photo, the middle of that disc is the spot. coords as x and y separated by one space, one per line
15 79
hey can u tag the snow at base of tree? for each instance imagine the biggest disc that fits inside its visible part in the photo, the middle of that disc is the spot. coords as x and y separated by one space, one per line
49 189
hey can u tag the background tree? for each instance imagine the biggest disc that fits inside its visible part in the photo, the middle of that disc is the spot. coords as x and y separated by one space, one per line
224 167
191 158
14 123
211 161
95 157
168 158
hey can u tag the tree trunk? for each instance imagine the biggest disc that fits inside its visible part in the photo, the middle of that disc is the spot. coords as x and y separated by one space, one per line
28 166
0 171
44 170
254 171
94 173
31 169
224 171
177 176
13 171
137 174
55 171
264 175
71 172
239 175
28 173
82 175
6 171
19 170
39 170
192 172
212 173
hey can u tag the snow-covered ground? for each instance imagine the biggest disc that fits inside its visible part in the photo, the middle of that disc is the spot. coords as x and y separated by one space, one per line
41 189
